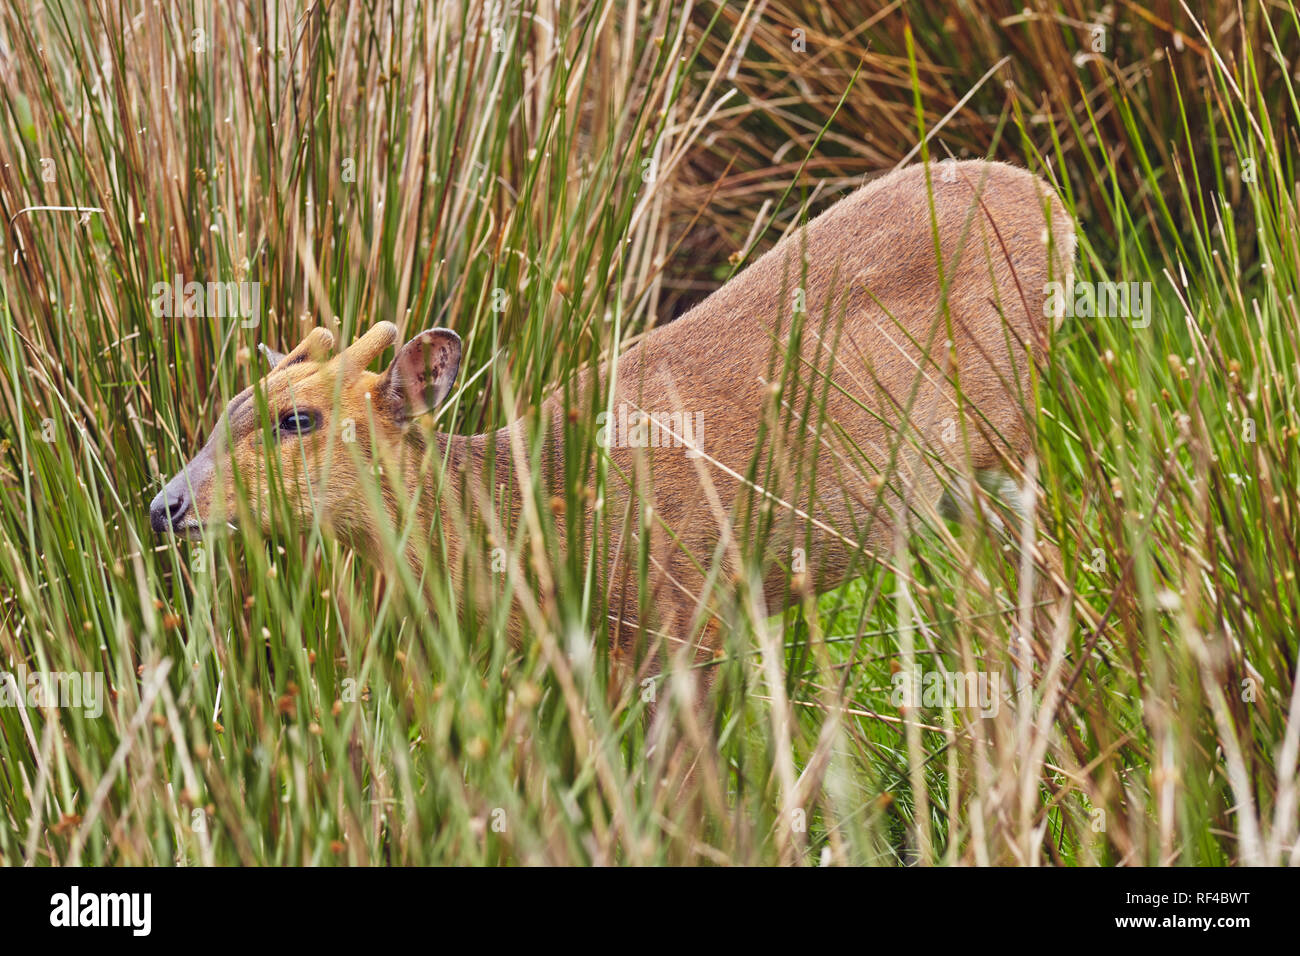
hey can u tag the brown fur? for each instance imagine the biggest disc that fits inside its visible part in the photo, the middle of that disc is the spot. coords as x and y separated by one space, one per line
873 324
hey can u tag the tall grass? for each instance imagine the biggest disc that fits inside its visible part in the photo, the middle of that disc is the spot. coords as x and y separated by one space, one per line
550 180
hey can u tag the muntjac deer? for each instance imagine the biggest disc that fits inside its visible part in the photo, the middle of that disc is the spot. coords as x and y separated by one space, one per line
922 298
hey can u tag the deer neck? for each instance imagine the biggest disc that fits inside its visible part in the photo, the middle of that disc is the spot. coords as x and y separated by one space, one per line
452 489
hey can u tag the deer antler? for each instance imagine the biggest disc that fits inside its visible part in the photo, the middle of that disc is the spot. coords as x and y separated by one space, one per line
366 349
315 345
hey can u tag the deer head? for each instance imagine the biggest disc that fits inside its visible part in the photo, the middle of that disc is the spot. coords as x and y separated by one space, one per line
328 415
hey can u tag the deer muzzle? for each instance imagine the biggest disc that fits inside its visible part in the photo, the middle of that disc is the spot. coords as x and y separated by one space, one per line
173 508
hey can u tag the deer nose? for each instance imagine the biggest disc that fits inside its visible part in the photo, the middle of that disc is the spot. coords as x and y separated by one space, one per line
168 508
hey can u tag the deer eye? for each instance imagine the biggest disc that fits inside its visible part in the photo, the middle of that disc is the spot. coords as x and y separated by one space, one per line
297 423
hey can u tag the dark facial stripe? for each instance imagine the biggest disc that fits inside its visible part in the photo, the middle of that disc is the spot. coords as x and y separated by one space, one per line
294 359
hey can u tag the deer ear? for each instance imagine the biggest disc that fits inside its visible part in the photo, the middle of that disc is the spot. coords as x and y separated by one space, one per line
273 357
422 373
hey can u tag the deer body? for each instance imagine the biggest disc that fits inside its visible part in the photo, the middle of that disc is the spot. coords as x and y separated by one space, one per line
915 396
